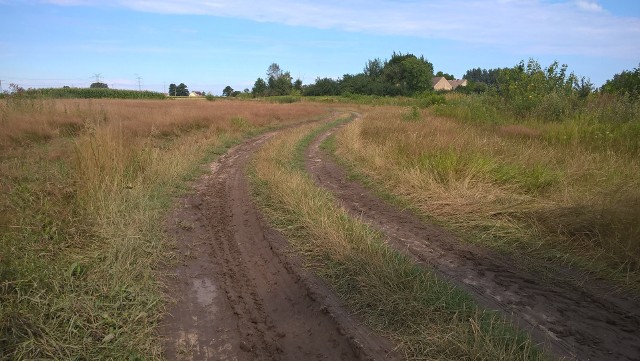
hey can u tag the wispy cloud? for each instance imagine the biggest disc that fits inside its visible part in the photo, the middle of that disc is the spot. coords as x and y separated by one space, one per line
589 5
573 27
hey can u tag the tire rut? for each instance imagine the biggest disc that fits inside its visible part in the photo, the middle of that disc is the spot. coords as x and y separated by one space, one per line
239 293
571 322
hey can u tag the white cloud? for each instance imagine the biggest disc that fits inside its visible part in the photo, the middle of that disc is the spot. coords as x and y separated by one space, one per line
575 27
589 5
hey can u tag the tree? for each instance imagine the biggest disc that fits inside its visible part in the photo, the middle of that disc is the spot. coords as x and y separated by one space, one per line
281 85
360 84
322 86
227 91
99 85
373 68
406 74
274 71
182 90
445 75
583 87
626 82
297 85
259 88
172 89
488 77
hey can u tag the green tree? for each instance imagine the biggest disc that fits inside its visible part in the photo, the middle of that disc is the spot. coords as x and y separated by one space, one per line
627 82
280 85
297 85
406 74
227 91
260 88
445 75
322 86
373 68
182 90
172 89
274 71
488 77
99 85
360 84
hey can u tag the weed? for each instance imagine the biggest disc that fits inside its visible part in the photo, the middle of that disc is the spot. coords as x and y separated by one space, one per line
413 115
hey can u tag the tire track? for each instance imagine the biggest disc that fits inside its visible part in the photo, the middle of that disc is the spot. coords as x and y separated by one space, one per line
571 322
239 293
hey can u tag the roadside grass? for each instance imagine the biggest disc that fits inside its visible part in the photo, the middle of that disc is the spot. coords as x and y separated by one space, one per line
82 205
511 187
428 318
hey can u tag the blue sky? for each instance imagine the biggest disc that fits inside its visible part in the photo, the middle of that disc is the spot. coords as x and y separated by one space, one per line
209 44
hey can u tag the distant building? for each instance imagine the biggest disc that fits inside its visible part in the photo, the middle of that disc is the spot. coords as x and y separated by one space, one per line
440 83
194 94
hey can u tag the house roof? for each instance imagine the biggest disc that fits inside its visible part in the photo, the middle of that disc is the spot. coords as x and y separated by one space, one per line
436 80
458 82
453 83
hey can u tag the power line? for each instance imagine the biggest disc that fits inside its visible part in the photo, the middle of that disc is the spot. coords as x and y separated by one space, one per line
139 79
97 76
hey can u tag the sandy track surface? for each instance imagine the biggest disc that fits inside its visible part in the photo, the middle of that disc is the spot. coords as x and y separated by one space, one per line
240 295
584 323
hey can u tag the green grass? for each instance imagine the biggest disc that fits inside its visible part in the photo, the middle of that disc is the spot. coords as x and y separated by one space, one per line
507 187
426 317
82 214
421 100
91 93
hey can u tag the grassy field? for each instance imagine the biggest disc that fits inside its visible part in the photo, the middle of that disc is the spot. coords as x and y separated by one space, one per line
564 192
427 317
84 187
90 93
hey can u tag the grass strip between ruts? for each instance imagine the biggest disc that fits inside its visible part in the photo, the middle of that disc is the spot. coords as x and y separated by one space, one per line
427 317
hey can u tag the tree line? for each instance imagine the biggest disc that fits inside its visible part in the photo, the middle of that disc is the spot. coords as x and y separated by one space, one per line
410 75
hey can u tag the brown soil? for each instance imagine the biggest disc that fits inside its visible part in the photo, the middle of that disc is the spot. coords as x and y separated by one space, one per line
239 293
572 322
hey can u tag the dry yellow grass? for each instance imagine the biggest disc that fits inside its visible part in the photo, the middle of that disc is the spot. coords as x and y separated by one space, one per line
84 185
507 187
427 317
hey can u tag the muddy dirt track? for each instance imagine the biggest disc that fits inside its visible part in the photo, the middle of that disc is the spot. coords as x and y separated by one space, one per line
239 294
583 323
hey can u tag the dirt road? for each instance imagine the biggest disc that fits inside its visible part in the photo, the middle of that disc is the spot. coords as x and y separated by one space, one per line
239 294
583 323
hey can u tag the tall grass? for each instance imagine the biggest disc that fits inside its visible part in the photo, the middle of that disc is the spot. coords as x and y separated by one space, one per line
514 187
599 122
81 216
423 100
427 317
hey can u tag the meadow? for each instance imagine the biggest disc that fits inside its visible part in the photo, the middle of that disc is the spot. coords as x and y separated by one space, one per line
553 192
84 189
85 186
426 316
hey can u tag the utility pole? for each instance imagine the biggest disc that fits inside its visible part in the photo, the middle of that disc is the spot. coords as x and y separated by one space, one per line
139 79
0 86
97 76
